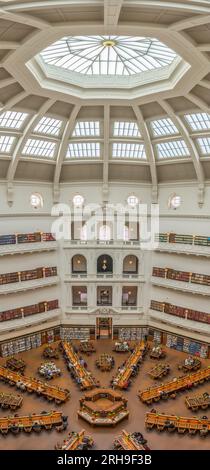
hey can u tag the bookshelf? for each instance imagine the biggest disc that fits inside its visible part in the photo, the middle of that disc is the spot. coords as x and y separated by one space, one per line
183 276
131 333
26 238
70 333
182 312
183 239
187 345
27 342
22 312
28 275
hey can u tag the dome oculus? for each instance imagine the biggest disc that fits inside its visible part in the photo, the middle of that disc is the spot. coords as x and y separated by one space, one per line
108 55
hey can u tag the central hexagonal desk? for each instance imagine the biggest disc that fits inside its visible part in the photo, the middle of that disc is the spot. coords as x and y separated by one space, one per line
103 407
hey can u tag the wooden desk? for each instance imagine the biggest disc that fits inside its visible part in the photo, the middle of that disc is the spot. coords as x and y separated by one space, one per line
126 442
105 362
31 384
159 370
74 440
169 389
9 400
121 380
15 364
50 353
181 424
86 347
190 367
103 407
87 380
31 422
199 401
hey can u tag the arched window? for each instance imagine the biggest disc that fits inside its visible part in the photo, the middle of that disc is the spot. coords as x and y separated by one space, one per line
130 264
79 264
105 264
104 233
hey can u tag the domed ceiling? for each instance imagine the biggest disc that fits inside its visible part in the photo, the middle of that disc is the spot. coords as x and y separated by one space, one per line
105 91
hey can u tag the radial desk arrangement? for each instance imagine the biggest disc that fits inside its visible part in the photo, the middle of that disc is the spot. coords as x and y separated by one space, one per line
122 379
167 422
31 384
170 389
87 381
33 422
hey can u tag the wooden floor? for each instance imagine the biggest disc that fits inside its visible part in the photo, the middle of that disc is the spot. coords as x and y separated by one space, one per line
104 437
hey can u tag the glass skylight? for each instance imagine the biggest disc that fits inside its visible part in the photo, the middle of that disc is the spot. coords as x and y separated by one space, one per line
204 144
108 55
6 142
48 126
175 148
12 119
198 121
87 129
39 148
163 127
83 150
128 150
126 129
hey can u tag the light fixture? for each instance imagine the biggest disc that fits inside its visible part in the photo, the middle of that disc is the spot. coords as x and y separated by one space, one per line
78 200
109 43
132 200
36 200
174 201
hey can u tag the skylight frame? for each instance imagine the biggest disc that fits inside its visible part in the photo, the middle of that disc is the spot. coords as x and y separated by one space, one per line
7 143
126 129
128 151
13 120
204 145
81 150
127 56
48 126
85 129
160 126
198 122
173 148
39 148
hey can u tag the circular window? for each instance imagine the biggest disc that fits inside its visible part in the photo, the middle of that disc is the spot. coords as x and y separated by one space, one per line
36 200
132 200
174 201
78 200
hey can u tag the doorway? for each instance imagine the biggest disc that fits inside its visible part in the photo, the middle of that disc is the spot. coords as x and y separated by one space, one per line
103 328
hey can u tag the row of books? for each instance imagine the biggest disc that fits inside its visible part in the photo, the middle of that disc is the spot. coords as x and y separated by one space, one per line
184 276
28 275
186 345
182 312
81 333
41 307
25 343
183 239
26 238
132 333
